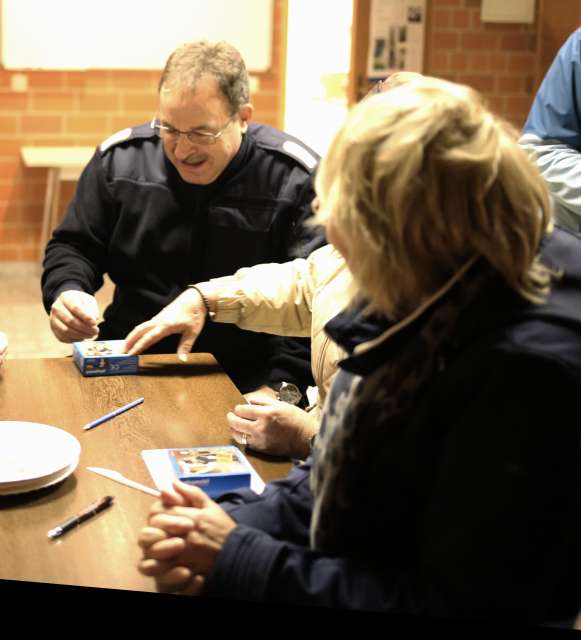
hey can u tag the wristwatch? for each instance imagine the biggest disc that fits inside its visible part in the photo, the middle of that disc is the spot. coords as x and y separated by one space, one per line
289 392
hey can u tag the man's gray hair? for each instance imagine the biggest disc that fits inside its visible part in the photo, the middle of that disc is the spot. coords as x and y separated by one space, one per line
187 64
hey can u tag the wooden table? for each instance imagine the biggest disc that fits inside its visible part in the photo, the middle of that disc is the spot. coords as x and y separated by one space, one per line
63 163
185 405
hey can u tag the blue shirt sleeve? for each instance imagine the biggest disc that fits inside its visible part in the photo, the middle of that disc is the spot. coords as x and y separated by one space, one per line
555 111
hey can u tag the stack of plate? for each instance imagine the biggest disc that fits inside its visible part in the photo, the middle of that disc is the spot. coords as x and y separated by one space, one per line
34 456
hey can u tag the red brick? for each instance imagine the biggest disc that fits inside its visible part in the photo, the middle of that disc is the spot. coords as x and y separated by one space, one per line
9 254
54 101
9 148
444 40
484 83
480 41
31 213
87 124
95 80
45 79
509 84
517 42
9 124
478 61
74 79
441 18
13 101
458 62
449 3
99 102
147 102
498 62
518 104
135 80
10 170
268 81
266 102
521 62
11 233
461 19
5 78
30 254
439 62
41 124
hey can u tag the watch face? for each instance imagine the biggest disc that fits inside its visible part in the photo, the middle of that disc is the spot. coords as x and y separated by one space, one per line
289 393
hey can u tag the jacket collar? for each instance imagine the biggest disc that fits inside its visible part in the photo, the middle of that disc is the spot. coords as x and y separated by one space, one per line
369 339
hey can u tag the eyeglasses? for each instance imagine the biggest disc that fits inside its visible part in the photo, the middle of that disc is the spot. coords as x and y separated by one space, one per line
194 136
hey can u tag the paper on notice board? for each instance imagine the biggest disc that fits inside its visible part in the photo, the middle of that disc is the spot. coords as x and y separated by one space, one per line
396 37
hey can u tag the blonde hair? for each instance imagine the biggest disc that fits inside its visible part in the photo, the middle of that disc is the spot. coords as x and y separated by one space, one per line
421 178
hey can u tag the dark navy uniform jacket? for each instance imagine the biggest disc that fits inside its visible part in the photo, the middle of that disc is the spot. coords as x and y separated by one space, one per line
134 218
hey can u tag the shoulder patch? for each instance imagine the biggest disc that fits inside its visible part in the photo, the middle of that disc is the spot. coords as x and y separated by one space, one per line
300 153
120 136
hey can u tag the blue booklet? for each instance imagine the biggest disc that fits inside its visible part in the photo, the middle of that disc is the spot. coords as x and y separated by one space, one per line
215 469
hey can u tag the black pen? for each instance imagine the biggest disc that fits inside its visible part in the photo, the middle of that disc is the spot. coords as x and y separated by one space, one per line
85 514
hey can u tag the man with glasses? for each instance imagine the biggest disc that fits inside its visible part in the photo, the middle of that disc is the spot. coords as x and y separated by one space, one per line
197 193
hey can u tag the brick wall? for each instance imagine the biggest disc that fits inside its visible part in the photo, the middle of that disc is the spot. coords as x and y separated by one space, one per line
497 59
83 108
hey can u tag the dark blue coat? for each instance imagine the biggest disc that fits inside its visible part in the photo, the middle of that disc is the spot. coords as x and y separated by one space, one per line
474 506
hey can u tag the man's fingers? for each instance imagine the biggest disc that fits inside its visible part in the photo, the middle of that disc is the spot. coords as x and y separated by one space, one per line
65 333
72 322
81 305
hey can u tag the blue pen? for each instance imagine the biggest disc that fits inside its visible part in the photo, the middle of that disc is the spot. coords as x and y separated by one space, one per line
112 414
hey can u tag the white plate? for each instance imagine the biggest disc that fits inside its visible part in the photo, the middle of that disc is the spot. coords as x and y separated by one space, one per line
31 451
11 488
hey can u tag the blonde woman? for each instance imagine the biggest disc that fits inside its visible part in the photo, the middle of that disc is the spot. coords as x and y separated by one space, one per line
446 473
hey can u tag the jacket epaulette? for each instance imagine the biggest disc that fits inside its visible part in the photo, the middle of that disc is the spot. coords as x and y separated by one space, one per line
130 133
275 140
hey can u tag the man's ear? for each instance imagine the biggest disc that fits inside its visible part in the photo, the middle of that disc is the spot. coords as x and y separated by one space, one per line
245 115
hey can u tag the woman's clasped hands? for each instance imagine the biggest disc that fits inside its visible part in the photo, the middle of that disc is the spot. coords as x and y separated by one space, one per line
185 533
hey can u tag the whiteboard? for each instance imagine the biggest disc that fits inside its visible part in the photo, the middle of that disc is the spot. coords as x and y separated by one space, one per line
128 34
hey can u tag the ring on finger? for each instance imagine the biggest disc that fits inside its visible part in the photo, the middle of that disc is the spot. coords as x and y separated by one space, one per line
244 439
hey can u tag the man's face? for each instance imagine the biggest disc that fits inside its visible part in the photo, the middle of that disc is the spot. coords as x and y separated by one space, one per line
205 110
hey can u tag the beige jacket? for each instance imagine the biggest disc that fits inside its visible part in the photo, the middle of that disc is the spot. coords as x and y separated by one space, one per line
294 298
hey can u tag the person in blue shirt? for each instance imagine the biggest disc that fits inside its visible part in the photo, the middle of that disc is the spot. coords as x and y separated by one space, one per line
552 132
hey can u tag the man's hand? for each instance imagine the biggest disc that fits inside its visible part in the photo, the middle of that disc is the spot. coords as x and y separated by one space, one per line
273 426
185 533
3 347
185 315
74 316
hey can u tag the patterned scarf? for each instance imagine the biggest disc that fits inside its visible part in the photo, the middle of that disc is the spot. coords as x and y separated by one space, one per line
356 418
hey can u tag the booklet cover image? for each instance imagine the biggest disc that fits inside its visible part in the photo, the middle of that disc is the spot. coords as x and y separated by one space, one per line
213 469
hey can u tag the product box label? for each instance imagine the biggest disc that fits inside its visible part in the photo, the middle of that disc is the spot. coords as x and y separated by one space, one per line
103 358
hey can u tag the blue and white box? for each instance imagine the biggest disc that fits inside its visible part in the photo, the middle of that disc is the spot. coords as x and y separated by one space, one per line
104 358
